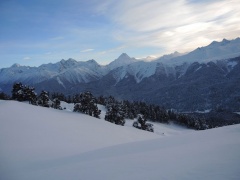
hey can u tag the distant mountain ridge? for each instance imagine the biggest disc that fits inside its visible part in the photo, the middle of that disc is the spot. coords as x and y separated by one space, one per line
169 80
214 51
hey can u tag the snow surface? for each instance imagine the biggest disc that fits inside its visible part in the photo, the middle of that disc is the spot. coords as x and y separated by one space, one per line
45 144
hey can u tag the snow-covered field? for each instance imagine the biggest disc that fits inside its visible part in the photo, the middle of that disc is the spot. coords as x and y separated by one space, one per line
39 143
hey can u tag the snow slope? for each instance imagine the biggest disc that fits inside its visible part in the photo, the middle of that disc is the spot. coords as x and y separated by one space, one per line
42 144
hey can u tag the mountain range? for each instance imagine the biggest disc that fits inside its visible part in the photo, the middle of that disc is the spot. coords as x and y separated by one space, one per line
206 78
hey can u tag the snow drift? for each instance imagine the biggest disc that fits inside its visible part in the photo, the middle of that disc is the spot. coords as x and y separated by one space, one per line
40 143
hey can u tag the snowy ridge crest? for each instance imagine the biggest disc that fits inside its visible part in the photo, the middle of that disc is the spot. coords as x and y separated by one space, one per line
74 72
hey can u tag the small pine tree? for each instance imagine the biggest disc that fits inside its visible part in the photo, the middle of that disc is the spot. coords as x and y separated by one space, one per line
4 96
141 123
56 104
101 100
43 99
69 99
17 92
115 114
30 95
76 98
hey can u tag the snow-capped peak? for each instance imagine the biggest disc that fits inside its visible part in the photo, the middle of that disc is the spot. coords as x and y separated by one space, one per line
165 58
92 61
122 60
16 65
148 58
215 51
123 56
68 63
224 41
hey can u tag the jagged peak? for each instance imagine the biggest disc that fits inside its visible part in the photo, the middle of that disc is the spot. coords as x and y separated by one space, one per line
69 63
92 61
16 65
176 52
225 40
169 56
122 60
68 60
123 56
213 43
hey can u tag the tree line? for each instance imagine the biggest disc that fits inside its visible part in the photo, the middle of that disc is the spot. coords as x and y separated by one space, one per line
116 111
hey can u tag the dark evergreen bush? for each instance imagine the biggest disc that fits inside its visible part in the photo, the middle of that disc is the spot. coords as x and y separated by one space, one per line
43 99
86 103
141 123
115 114
24 93
56 104
4 96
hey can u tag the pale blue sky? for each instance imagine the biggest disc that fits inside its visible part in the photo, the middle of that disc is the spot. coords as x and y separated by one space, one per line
33 32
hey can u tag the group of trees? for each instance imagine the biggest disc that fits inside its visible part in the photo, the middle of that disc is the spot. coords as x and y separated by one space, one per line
87 104
192 122
116 111
4 96
61 97
131 110
22 92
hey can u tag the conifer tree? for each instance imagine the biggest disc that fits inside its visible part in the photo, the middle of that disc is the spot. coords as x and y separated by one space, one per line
56 104
141 123
17 92
86 103
115 114
43 99
30 95
101 100
23 93
69 99
4 96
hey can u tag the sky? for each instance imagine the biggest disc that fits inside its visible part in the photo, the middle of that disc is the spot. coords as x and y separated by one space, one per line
45 31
